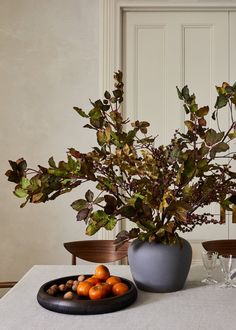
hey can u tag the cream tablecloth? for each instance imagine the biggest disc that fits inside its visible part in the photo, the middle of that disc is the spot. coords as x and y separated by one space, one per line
196 307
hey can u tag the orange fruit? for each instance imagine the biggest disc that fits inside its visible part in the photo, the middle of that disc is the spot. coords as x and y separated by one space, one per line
102 272
113 280
97 292
93 280
83 288
107 287
119 288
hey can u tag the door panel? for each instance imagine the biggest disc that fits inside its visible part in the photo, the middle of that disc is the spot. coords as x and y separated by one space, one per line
162 50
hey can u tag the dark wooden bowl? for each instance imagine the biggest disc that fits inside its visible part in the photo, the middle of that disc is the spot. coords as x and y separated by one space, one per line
84 306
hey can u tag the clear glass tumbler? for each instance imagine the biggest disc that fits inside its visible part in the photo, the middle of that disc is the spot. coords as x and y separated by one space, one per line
227 263
209 259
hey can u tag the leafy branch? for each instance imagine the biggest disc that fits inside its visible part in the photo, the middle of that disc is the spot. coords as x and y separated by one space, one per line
158 189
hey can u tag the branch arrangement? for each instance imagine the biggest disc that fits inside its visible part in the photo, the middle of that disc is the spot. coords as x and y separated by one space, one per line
159 189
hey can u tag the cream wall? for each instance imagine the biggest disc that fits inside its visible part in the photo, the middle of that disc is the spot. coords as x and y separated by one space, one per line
48 64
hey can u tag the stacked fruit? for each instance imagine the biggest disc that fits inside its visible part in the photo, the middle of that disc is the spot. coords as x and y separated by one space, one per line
98 286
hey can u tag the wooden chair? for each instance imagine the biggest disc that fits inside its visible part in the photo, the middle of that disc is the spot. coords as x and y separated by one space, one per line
100 251
5 285
225 246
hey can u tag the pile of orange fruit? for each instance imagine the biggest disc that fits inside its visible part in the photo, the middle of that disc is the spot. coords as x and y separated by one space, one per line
101 285
98 286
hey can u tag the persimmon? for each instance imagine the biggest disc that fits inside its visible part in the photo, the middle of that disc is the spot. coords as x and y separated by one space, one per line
93 280
102 272
83 288
107 287
119 288
113 280
97 292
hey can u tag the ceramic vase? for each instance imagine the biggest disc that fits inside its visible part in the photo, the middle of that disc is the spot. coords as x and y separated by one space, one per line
158 267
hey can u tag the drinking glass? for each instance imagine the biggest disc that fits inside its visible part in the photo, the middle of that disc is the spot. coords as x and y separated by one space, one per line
209 259
226 263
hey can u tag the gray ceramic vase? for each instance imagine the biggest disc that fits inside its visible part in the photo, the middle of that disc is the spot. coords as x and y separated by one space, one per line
157 267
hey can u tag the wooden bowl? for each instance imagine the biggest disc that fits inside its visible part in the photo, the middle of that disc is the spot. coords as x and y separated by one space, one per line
84 306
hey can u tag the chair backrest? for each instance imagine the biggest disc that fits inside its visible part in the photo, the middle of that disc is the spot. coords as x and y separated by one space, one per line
4 285
225 246
100 251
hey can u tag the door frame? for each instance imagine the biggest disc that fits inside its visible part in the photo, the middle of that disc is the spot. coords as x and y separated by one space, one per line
110 39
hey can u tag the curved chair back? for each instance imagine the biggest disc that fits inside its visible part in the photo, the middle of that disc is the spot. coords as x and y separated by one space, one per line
224 246
4 285
100 251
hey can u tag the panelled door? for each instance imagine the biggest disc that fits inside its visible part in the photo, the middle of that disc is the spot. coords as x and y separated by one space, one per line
162 50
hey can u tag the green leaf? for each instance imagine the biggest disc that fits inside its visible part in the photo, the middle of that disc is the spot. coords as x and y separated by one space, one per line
202 163
193 107
81 112
185 92
95 113
107 95
220 147
117 93
13 165
189 167
96 117
57 172
212 137
21 164
130 136
98 104
111 223
179 93
100 219
51 162
221 101
91 229
204 150
21 193
24 182
127 211
101 137
79 204
232 135
99 215
179 210
116 140
72 164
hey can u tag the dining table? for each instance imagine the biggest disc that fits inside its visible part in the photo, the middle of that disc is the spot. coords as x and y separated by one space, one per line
195 307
